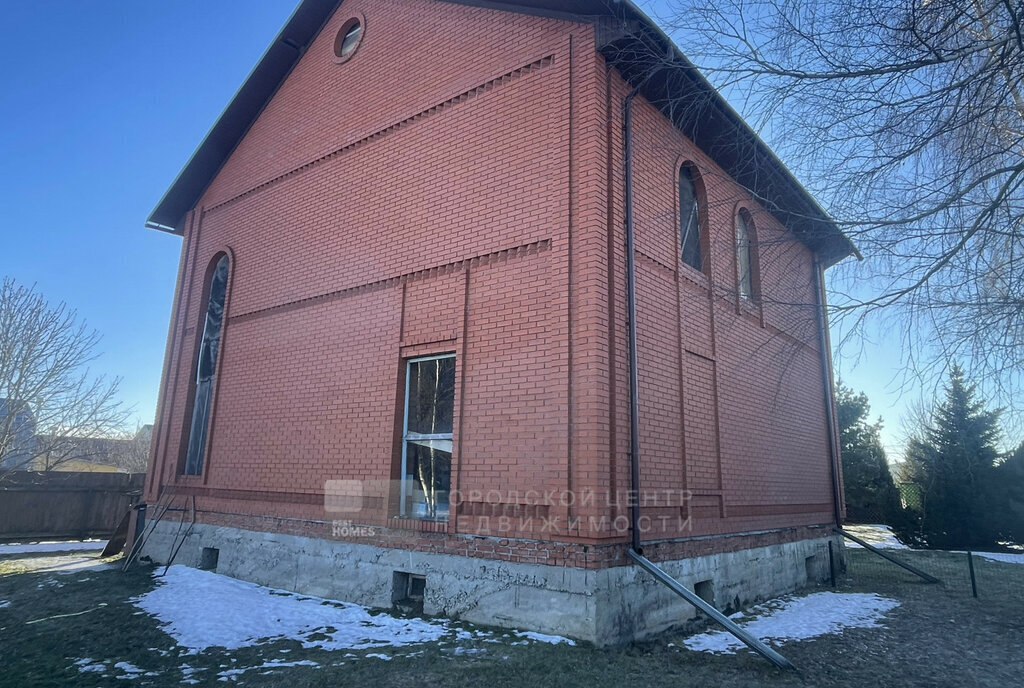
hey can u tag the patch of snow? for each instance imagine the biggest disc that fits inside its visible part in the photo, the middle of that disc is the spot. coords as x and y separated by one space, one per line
377 655
799 618
201 609
230 673
131 671
233 674
276 663
542 638
1005 557
876 534
88 665
5 603
69 546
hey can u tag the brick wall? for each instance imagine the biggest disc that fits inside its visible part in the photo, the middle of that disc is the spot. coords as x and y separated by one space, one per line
456 187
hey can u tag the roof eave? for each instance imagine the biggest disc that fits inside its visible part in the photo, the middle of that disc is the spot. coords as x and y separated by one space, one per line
648 59
241 112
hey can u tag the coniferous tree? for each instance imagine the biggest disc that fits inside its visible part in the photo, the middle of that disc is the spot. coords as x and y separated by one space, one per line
871 495
1009 480
954 461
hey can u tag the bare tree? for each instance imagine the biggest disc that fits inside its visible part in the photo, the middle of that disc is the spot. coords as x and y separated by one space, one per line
49 403
132 450
906 120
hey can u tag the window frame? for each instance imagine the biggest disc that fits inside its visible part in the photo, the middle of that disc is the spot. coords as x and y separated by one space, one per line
753 298
405 482
700 204
339 38
193 387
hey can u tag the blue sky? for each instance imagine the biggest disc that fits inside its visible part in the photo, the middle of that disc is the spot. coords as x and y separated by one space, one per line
103 103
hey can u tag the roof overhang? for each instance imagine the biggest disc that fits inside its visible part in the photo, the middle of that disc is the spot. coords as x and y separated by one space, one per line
644 55
247 104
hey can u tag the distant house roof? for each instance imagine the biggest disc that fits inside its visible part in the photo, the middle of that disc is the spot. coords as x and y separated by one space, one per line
634 44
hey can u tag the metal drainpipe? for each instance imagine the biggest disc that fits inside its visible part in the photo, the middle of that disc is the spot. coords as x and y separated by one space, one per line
826 378
634 382
636 552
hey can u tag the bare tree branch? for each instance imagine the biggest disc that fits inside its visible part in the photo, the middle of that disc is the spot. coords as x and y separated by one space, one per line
906 120
50 406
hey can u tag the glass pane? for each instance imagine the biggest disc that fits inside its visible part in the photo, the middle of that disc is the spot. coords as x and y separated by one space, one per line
210 344
689 222
200 423
206 366
348 44
431 396
429 470
743 258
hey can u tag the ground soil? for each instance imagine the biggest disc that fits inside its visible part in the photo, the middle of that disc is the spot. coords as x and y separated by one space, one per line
939 636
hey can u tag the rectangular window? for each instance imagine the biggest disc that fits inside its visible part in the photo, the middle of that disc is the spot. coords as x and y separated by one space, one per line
427 437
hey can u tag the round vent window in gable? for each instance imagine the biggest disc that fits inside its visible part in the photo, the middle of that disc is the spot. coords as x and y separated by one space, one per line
348 39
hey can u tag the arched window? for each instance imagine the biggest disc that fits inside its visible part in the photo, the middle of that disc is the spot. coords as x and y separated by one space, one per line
745 261
206 367
689 220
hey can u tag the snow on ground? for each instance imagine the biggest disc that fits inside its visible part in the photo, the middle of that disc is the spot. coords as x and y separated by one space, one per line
201 609
542 638
799 618
876 534
88 665
69 546
1005 557
5 603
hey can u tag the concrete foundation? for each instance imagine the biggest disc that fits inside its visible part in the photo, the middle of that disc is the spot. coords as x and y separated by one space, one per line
602 606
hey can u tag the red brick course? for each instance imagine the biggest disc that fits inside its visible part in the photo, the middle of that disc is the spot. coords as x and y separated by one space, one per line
456 186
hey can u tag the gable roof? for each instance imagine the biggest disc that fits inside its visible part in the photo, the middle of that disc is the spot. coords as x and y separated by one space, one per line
644 55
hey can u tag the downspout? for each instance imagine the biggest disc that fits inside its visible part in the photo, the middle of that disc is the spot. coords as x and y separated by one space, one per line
635 552
831 422
634 381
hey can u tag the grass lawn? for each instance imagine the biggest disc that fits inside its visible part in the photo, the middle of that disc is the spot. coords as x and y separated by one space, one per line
62 625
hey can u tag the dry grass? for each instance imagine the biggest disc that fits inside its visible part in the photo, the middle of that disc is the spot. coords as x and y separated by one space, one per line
939 636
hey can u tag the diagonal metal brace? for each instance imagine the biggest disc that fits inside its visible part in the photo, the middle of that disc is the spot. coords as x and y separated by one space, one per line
725 622
871 548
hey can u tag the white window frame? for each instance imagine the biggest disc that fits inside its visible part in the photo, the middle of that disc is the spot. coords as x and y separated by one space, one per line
405 492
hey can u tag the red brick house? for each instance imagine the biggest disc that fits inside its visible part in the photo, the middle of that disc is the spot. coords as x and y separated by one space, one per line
399 363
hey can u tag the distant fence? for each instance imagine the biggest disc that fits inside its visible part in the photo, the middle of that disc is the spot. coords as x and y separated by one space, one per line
64 504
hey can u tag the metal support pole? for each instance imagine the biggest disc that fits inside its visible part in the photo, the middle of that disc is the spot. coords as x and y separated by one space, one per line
725 622
974 582
871 548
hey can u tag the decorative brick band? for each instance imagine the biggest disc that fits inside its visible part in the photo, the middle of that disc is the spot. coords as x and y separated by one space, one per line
425 273
489 85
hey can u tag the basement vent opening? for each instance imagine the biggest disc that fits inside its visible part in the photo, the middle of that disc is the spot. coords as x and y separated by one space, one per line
815 568
208 559
706 591
407 592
